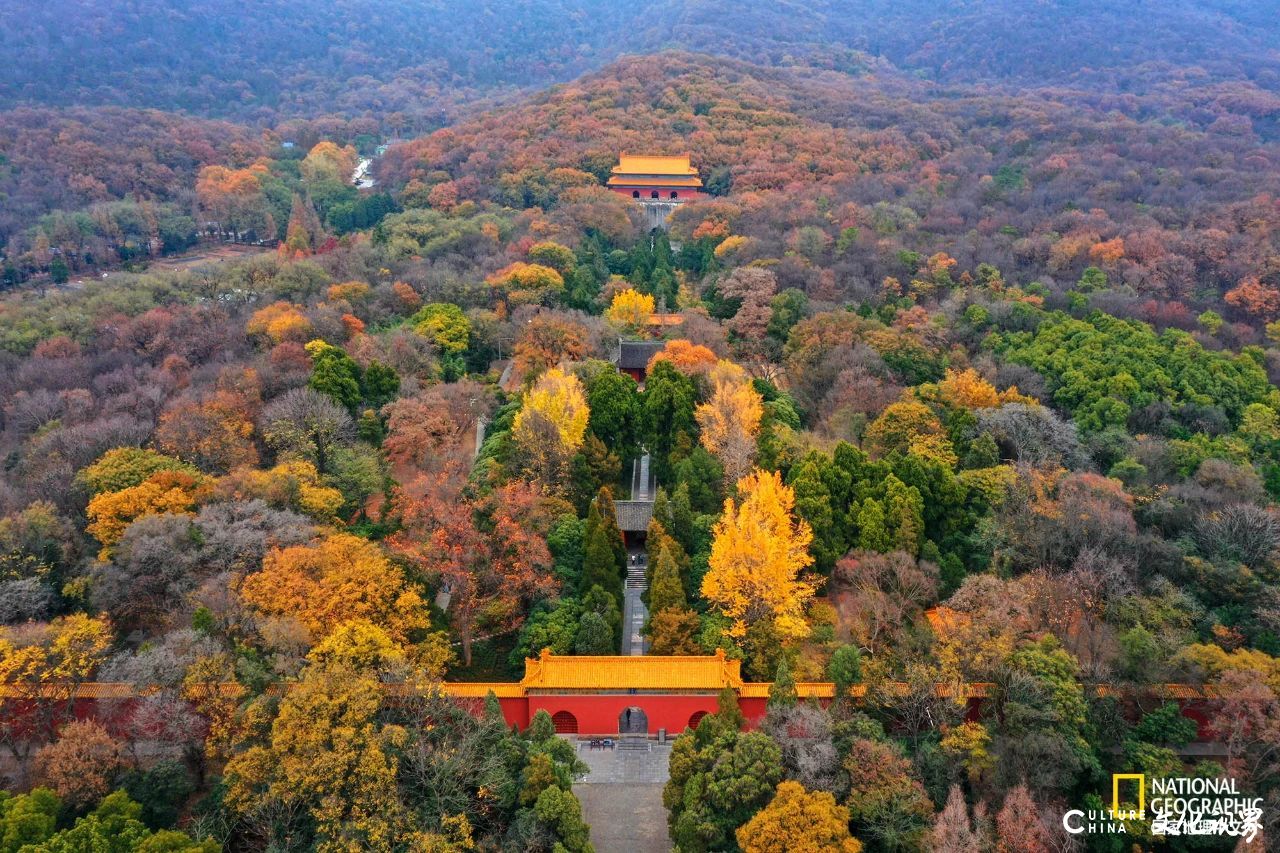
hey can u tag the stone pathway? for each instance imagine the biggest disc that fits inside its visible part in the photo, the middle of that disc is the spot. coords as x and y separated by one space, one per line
634 613
622 798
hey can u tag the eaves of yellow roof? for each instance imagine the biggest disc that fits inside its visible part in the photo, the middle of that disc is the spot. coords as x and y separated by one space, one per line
654 165
500 689
636 180
614 672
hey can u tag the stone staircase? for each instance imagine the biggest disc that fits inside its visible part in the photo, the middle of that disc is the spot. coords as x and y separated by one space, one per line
634 743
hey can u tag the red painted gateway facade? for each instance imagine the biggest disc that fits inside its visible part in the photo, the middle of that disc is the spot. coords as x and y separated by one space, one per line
649 178
584 695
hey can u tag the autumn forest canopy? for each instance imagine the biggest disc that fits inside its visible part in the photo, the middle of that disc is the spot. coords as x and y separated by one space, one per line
960 379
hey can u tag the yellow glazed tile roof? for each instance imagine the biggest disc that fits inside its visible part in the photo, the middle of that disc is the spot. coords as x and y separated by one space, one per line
501 689
654 165
586 672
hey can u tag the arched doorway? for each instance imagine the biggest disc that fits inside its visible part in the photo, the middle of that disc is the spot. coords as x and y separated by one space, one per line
565 723
653 194
696 718
675 194
632 721
635 193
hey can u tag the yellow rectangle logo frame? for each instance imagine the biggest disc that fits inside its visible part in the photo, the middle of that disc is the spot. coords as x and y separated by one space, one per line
1116 779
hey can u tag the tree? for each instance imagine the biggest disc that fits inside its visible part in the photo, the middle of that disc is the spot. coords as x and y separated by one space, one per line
1255 298
552 254
886 804
527 284
880 595
845 668
211 432
444 324
304 424
326 161
673 631
719 779
600 565
125 467
114 827
630 310
294 484
27 818
326 761
729 423
338 579
429 430
672 625
1018 826
489 554
334 374
796 819
667 417
757 554
41 670
782 694
545 341
561 812
82 764
595 636
557 398
614 402
279 322
165 491
687 357
951 831
909 427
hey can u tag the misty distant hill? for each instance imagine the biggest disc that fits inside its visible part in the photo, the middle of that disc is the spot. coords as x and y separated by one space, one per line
276 59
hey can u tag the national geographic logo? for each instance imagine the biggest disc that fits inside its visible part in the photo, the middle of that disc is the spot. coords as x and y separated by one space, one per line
1180 805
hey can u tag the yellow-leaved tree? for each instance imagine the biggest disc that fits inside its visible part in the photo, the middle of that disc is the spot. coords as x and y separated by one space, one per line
730 421
967 389
329 758
757 554
630 309
556 398
110 513
796 819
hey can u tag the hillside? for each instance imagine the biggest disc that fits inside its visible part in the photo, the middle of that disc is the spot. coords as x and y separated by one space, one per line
420 58
1033 183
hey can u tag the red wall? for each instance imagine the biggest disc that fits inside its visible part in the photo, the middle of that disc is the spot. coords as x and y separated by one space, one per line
664 193
598 714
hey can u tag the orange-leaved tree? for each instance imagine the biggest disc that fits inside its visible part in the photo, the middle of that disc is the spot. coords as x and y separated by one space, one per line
488 554
336 580
165 491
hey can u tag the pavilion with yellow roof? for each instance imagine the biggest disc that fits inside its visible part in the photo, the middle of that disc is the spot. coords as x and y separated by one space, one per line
655 178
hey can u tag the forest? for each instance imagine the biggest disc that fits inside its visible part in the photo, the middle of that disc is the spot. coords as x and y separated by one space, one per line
965 379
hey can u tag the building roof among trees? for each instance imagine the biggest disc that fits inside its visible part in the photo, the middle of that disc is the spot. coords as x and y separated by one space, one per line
614 672
633 516
635 355
630 164
657 171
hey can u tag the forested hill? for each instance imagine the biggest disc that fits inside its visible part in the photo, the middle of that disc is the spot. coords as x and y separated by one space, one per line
285 58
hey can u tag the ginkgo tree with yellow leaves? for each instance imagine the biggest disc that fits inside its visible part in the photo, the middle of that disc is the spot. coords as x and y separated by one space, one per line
630 309
556 398
730 420
758 554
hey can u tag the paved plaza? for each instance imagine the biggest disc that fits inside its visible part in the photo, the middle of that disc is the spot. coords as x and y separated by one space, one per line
622 798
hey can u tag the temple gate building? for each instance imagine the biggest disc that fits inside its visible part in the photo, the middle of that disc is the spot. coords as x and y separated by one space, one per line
649 178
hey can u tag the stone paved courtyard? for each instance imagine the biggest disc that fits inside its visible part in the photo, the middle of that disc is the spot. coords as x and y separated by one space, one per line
622 798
